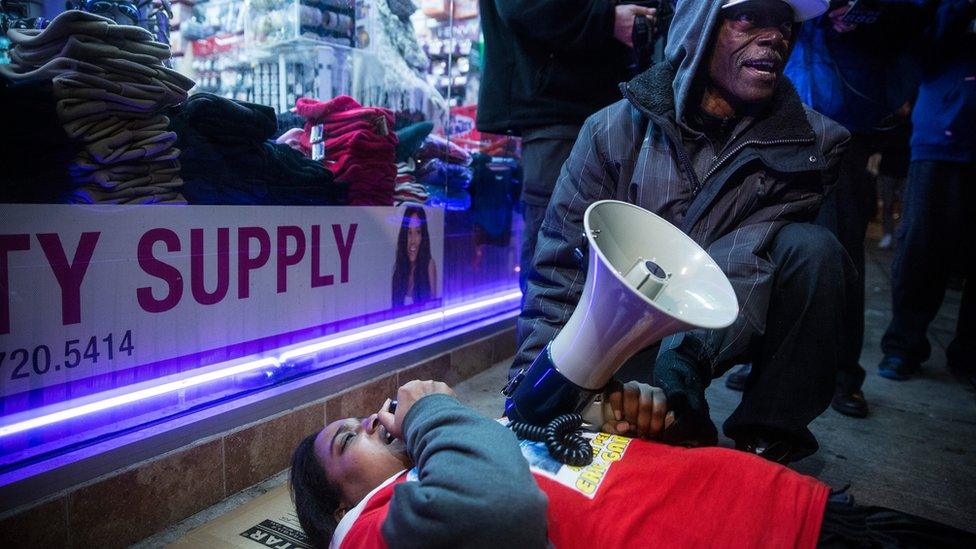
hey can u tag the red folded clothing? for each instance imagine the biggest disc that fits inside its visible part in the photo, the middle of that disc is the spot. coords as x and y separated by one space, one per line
360 141
315 110
343 115
376 123
360 149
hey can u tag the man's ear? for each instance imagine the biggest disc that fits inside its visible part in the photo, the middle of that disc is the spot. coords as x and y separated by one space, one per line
339 513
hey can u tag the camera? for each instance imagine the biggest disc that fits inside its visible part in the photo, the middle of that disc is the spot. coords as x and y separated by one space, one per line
646 35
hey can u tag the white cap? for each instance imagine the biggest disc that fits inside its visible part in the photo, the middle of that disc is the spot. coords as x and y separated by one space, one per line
802 9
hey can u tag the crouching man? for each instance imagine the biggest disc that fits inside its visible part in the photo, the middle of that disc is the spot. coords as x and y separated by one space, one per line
716 141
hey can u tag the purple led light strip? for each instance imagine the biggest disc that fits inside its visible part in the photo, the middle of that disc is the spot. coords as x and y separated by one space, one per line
285 357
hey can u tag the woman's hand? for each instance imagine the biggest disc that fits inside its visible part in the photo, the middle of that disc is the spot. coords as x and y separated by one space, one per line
639 410
407 396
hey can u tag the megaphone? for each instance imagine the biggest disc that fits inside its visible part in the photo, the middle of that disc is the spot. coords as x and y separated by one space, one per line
646 280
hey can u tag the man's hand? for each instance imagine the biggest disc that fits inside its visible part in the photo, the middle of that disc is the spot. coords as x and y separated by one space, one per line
639 410
623 21
837 20
407 396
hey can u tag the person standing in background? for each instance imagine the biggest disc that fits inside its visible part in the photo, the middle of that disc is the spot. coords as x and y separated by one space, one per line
549 64
857 74
940 201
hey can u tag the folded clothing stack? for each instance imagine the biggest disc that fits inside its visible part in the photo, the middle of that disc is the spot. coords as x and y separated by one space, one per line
359 146
110 85
229 159
407 188
436 146
443 168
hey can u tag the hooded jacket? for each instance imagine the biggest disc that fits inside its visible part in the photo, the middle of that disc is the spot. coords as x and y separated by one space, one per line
776 171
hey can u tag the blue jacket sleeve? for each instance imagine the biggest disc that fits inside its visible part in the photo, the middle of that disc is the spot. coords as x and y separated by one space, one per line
474 489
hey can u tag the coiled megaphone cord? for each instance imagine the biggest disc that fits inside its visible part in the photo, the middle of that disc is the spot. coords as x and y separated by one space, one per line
560 438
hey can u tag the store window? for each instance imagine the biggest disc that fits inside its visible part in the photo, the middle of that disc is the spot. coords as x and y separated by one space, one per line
231 196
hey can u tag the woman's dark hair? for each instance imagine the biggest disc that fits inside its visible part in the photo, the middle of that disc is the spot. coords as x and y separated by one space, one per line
401 272
316 499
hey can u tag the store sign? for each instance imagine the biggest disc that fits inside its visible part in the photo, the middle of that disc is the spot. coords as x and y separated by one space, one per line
88 290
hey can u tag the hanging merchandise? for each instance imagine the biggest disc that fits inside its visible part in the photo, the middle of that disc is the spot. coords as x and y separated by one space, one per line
22 14
110 84
359 146
276 22
392 75
395 18
216 56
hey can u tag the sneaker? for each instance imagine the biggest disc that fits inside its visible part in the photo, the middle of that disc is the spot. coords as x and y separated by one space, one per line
850 403
737 379
896 368
885 242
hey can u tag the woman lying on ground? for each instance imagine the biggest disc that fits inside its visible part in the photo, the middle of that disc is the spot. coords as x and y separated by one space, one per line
437 474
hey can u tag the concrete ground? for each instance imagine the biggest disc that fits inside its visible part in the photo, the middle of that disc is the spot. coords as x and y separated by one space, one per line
914 452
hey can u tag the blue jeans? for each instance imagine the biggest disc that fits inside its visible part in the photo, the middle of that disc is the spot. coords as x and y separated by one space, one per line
935 236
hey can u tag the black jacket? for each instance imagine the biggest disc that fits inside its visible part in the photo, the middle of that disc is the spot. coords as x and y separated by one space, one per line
547 62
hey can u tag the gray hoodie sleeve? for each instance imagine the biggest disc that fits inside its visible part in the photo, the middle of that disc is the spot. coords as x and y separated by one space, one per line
474 489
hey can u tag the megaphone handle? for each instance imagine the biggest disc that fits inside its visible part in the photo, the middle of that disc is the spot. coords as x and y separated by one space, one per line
595 414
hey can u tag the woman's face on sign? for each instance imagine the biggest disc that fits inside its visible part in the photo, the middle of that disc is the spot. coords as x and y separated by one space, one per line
414 238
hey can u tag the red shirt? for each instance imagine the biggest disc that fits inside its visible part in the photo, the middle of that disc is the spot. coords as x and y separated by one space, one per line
636 493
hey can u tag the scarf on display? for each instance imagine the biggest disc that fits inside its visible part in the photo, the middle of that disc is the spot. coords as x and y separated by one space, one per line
109 84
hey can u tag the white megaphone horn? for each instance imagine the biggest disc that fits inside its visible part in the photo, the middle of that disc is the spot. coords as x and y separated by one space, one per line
646 280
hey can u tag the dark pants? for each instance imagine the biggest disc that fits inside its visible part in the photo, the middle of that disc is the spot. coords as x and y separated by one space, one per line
794 366
847 212
544 150
934 235
847 525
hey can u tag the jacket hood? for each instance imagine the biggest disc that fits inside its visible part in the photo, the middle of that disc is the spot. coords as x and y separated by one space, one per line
688 47
665 89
